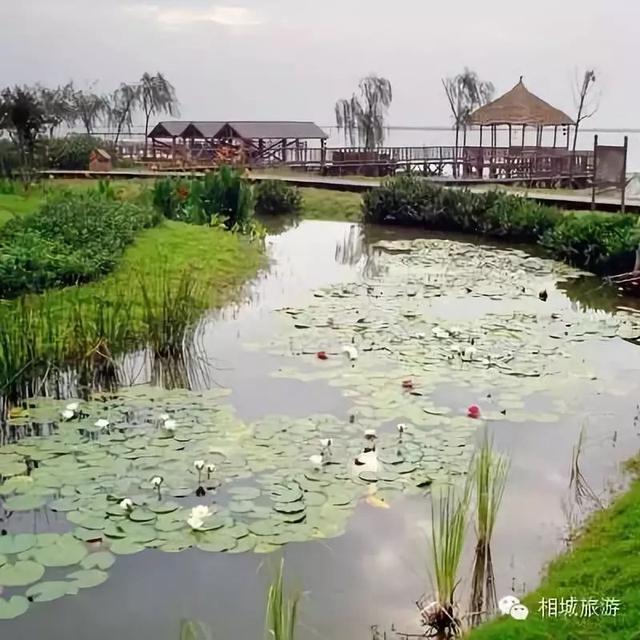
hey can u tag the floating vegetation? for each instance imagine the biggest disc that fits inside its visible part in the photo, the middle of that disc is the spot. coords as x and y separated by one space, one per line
170 470
399 324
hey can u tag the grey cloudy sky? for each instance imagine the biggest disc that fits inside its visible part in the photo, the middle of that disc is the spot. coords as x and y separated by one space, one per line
291 59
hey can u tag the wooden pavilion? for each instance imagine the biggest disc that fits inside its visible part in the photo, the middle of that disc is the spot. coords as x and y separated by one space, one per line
523 121
236 142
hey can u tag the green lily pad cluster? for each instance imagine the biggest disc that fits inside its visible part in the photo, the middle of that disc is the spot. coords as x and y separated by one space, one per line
25 559
431 318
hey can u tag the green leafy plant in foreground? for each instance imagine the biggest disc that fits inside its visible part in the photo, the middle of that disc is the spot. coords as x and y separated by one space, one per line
449 514
489 471
282 609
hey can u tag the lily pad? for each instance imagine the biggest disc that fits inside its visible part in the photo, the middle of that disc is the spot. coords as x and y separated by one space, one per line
20 574
62 552
13 544
88 578
14 607
125 547
100 560
49 591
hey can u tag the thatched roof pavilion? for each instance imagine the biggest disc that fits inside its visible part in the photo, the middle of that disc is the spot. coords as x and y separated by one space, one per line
520 108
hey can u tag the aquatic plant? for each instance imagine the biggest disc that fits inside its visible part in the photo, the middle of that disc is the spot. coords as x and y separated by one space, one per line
282 609
489 472
449 516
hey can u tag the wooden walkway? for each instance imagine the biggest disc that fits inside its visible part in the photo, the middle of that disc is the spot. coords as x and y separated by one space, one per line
561 199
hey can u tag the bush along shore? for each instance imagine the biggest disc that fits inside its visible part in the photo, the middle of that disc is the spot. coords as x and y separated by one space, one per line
71 239
600 242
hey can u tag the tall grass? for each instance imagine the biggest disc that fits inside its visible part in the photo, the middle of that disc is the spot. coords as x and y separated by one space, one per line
48 342
449 517
489 472
282 609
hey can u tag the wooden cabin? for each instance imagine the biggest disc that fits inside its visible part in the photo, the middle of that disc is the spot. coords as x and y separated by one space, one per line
100 160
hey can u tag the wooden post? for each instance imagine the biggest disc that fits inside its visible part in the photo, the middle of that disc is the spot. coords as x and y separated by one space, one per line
509 136
555 135
323 152
595 172
173 148
284 150
623 185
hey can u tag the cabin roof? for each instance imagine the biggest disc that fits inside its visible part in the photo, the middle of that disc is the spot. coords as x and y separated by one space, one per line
246 129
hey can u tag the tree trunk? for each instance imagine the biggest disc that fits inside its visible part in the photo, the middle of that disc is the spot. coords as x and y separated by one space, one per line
146 133
455 155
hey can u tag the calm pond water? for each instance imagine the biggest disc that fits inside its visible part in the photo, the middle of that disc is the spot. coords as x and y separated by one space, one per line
374 573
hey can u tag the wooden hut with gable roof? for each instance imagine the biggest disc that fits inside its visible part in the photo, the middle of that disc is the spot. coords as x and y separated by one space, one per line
516 117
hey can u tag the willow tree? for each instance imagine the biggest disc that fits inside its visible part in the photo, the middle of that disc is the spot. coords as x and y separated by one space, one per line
88 107
363 115
465 93
157 95
120 105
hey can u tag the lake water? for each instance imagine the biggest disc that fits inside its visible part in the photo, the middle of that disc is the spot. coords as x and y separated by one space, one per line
374 573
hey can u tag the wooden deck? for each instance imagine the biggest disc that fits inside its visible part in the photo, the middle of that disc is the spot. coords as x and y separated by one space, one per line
561 199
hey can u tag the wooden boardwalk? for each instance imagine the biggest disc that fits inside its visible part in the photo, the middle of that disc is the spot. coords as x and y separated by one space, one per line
560 199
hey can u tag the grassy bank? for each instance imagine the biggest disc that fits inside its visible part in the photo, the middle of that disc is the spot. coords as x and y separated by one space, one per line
324 204
164 282
605 563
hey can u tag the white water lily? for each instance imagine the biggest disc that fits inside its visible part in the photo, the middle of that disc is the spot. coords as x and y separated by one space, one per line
170 425
420 335
101 424
156 481
351 351
401 427
198 465
211 468
164 417
317 461
326 443
73 406
127 504
195 523
67 414
367 461
370 433
455 331
201 512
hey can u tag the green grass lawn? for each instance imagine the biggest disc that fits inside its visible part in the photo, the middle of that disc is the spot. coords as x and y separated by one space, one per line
16 205
323 204
605 563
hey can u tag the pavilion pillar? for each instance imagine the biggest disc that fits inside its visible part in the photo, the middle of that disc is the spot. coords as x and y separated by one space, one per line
509 135
555 136
480 156
284 150
323 152
524 126
173 148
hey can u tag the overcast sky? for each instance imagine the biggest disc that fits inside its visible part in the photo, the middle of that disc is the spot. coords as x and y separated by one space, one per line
291 59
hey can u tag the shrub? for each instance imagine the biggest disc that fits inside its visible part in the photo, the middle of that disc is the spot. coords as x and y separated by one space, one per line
71 153
223 196
275 197
598 241
72 238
